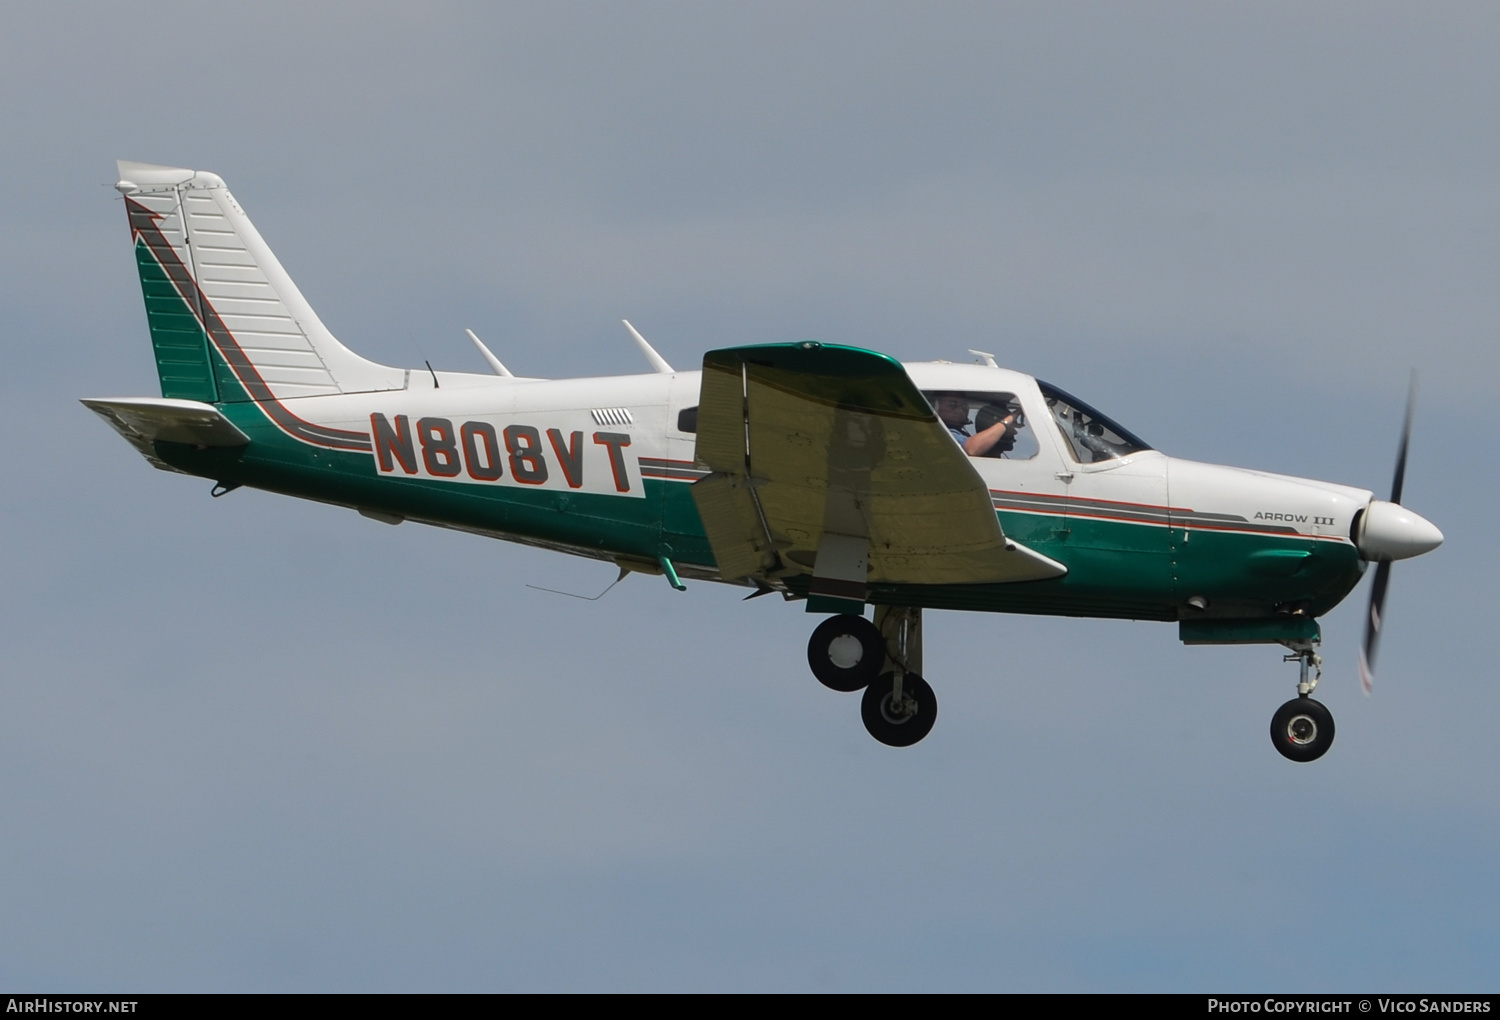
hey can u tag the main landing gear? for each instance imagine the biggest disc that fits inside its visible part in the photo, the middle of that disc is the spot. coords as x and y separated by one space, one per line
848 653
1302 729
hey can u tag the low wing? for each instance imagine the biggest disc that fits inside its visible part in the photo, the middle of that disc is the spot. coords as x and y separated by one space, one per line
146 420
828 460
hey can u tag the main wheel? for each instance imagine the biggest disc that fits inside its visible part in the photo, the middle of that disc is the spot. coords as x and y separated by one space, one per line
1302 729
899 725
846 652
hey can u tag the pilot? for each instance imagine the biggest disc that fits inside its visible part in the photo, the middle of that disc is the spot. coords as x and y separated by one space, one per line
995 428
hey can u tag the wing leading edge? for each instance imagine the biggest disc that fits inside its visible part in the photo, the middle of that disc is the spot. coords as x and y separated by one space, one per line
827 460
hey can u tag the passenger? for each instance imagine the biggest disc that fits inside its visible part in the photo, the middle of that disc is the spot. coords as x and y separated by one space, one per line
953 410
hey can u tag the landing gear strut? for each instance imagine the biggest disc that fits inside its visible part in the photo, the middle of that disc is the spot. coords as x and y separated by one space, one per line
848 653
1302 729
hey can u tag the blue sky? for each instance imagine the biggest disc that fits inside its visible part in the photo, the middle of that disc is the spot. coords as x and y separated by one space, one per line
258 744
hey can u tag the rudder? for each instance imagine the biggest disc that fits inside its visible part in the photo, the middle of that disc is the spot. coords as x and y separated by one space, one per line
177 339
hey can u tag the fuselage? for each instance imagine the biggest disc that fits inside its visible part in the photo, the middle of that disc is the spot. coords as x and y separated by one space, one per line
832 474
605 467
602 467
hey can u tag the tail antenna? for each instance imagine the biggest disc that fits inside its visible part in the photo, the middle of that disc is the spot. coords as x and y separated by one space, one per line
494 362
658 362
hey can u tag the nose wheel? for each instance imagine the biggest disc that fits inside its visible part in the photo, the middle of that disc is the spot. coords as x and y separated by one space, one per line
1302 729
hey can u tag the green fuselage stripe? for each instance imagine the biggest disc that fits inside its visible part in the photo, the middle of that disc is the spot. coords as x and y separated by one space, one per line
1115 569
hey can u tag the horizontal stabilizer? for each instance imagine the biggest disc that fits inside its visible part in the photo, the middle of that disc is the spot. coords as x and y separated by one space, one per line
147 420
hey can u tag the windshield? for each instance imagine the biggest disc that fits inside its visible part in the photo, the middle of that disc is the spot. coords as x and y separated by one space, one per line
1091 437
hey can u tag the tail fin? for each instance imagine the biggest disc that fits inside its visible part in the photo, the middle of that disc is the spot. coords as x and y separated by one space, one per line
226 320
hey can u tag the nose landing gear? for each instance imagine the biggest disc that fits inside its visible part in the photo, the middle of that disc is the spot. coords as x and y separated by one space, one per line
848 653
1302 729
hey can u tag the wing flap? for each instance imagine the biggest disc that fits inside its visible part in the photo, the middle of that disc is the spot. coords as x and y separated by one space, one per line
730 519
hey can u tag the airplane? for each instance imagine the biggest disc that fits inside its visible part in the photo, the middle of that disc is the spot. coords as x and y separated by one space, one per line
868 489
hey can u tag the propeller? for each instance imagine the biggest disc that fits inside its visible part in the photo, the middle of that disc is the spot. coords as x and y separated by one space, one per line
1394 536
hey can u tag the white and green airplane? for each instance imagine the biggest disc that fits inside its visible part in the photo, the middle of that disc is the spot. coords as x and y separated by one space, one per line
834 476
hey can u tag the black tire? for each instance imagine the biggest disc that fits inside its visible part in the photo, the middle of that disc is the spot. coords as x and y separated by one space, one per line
1302 729
894 731
846 652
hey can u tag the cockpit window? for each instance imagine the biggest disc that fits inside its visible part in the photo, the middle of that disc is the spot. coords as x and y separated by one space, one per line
985 424
1090 436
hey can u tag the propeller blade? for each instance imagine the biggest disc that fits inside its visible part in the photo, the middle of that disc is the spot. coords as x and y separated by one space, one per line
1372 625
1383 568
1399 481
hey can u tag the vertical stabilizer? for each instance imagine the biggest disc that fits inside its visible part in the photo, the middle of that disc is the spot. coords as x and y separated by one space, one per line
227 322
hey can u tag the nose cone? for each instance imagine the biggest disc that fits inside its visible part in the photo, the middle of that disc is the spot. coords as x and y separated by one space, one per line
1389 531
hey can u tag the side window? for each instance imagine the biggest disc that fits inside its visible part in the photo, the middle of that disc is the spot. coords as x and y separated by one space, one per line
985 424
687 419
